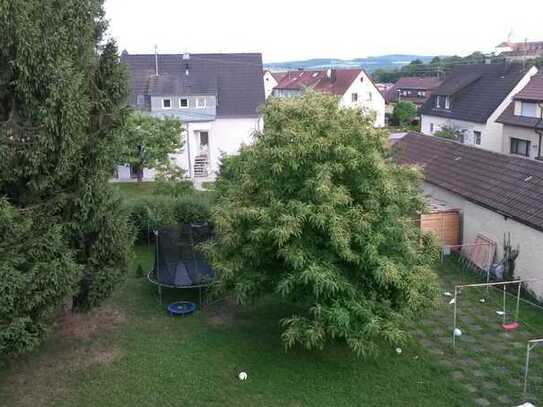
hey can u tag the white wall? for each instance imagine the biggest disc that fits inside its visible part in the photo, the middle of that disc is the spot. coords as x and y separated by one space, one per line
468 127
226 135
479 220
522 133
375 103
269 83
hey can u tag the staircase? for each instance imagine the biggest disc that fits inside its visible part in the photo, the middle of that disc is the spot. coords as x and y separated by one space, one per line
201 166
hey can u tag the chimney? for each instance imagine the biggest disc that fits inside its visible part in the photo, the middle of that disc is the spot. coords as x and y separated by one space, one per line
156 60
331 74
186 58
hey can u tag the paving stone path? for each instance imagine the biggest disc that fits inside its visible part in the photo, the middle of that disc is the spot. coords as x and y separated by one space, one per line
488 362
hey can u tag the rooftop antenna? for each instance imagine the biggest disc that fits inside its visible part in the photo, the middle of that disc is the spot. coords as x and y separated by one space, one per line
156 60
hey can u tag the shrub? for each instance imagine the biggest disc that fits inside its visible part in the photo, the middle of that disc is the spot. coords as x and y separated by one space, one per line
151 213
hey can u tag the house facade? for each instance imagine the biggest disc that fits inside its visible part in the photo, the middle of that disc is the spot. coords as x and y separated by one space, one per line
471 99
411 89
271 80
499 195
523 120
354 88
216 96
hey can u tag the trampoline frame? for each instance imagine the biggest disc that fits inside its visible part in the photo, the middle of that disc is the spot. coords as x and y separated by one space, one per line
157 265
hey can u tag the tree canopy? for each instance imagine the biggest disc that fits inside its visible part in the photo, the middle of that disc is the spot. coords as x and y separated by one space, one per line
315 212
149 140
63 104
404 113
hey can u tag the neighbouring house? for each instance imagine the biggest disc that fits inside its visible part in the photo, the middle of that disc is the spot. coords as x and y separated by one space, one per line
470 100
271 79
354 88
410 89
216 96
523 120
520 51
497 195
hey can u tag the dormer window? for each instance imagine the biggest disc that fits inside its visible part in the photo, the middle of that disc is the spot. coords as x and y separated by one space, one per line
528 109
443 102
183 103
166 103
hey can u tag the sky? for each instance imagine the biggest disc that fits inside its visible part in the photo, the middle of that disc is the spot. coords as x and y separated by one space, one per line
284 30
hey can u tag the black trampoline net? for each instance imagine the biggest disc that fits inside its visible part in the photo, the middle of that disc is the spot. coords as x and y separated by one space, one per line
178 261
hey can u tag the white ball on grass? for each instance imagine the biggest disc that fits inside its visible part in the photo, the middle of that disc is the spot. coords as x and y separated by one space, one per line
457 332
242 376
398 351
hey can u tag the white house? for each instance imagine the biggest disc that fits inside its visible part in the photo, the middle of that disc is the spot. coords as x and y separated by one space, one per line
497 194
216 96
471 99
271 80
523 120
354 88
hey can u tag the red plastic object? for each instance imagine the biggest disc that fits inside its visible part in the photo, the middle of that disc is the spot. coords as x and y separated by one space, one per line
511 326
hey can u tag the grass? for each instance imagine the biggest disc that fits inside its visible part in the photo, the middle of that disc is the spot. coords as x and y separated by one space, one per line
154 359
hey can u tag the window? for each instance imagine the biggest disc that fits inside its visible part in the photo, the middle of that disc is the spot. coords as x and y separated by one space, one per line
140 100
421 93
166 103
443 102
528 109
354 97
477 137
183 103
200 102
432 128
370 96
204 138
520 147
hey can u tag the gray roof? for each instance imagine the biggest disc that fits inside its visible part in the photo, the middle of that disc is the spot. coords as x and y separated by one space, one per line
505 184
236 79
475 91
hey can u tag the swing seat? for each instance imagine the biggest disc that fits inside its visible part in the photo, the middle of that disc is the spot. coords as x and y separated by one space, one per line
511 326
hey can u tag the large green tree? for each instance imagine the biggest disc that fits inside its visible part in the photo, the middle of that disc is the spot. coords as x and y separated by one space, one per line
63 103
148 141
315 212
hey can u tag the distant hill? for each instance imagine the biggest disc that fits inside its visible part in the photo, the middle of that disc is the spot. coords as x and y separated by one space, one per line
370 64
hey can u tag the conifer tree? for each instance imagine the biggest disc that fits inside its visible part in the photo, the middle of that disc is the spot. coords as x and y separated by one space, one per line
315 212
63 102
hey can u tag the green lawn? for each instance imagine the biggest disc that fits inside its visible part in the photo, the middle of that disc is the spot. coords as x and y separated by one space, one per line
146 358
130 352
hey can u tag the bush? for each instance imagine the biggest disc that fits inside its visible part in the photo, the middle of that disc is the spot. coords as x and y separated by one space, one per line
151 213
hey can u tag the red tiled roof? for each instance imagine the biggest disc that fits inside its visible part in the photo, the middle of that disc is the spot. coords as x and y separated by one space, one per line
337 84
533 90
530 48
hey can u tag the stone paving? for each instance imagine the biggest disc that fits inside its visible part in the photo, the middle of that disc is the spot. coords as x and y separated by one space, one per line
488 362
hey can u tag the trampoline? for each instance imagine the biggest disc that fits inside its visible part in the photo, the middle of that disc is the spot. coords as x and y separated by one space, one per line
178 262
